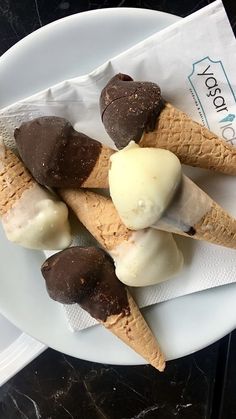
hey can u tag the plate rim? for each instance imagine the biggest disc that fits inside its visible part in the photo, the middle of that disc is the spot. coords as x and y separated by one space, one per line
74 16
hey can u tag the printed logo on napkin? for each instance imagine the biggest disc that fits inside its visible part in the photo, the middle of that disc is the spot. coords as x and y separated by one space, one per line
214 97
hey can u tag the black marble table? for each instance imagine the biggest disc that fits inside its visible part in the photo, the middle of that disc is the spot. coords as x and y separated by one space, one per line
55 386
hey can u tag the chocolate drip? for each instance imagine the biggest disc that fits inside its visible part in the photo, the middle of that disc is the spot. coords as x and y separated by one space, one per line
129 108
56 154
191 231
86 276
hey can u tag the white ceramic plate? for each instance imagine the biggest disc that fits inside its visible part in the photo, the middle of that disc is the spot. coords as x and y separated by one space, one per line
70 47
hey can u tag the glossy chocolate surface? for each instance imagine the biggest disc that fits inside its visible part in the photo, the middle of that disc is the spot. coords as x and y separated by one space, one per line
56 154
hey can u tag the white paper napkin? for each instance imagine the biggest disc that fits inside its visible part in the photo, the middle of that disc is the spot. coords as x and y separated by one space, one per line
194 62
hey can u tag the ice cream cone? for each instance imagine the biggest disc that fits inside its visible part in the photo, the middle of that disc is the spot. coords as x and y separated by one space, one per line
192 143
194 214
133 330
31 216
86 276
136 111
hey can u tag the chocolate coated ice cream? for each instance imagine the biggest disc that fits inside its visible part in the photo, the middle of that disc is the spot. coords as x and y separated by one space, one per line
129 108
86 275
56 154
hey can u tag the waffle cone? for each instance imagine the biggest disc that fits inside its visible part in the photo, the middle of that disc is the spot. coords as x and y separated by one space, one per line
217 227
14 179
98 215
192 143
134 331
98 177
193 213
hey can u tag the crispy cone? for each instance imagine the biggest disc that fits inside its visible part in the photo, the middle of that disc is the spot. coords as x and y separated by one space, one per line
193 213
194 144
14 179
98 178
134 331
218 227
98 215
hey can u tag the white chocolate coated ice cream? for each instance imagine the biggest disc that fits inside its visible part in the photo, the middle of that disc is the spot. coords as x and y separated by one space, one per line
38 221
148 257
142 183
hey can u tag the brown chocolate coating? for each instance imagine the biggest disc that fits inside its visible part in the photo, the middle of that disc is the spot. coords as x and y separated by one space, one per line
56 154
86 275
129 108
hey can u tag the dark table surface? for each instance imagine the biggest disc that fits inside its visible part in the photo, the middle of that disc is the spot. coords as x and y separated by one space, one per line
199 386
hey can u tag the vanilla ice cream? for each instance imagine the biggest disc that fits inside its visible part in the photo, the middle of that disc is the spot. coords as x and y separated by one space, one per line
38 220
142 183
149 256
